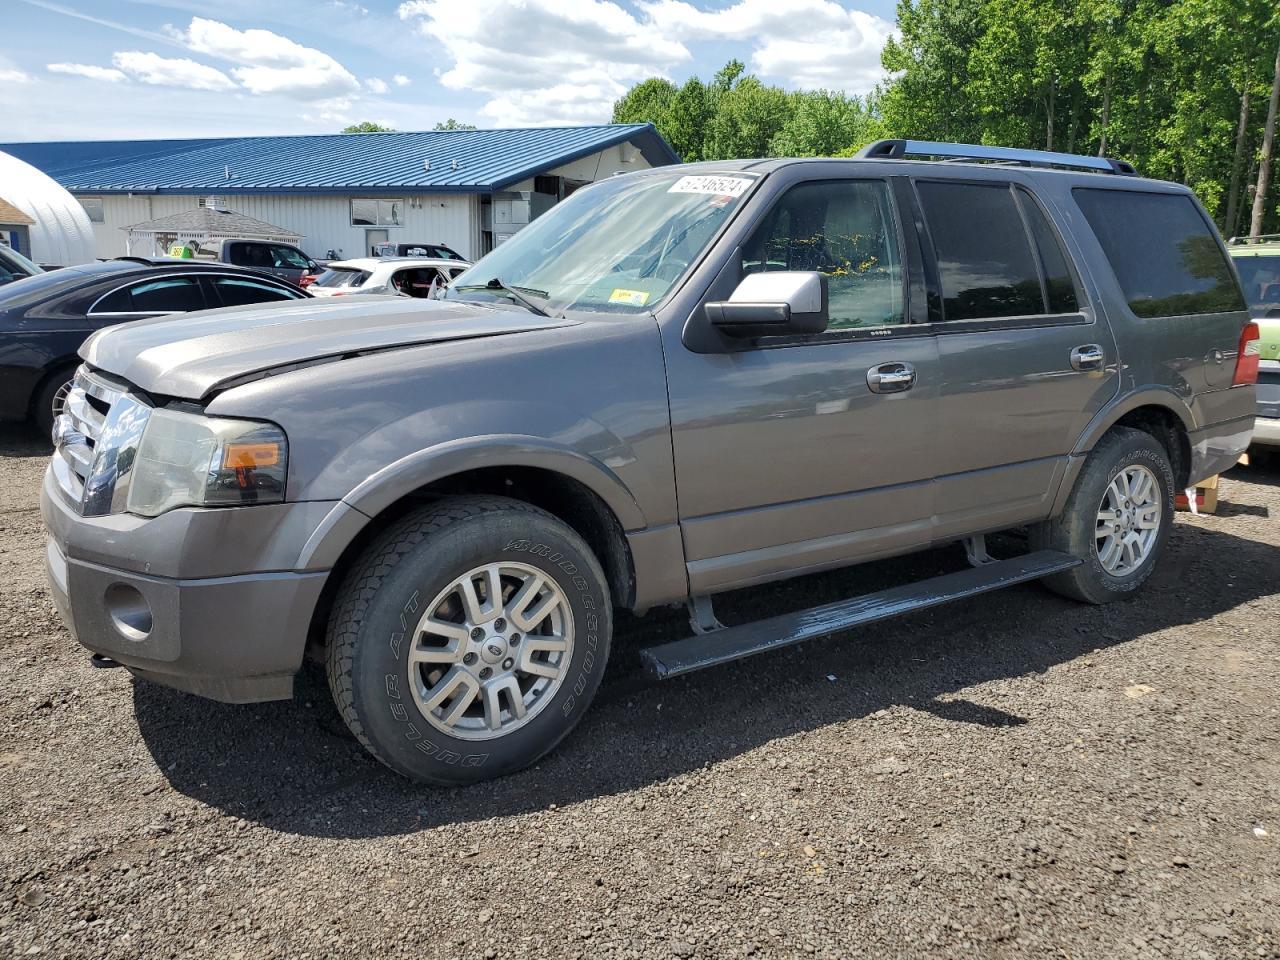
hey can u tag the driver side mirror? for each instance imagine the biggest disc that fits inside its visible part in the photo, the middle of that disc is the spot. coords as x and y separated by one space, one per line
773 304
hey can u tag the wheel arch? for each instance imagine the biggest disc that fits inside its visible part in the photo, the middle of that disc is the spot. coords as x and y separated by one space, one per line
579 504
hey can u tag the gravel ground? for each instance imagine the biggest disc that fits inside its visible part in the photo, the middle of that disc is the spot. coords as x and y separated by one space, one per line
1013 776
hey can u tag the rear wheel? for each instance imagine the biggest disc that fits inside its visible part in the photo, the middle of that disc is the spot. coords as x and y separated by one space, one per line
1117 519
469 639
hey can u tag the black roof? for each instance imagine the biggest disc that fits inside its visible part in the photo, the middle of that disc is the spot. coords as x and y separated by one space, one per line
53 283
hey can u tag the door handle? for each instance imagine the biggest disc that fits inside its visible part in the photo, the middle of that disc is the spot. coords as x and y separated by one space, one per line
1088 357
891 377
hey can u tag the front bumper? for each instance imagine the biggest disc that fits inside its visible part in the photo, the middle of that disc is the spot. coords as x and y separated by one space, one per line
157 596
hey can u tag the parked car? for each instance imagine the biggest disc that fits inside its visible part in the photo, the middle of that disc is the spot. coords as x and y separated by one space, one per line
410 276
433 251
14 266
677 382
44 319
1258 263
266 256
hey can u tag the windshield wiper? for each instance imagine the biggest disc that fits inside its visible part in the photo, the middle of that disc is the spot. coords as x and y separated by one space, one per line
514 292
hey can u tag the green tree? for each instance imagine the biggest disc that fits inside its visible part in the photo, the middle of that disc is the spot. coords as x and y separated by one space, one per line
452 124
646 102
746 118
368 126
930 60
821 123
685 124
1178 87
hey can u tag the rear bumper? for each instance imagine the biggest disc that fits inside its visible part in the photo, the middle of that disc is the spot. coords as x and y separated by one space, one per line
1266 432
1216 449
237 638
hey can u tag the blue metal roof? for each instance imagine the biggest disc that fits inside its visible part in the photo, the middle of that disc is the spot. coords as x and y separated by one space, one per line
460 161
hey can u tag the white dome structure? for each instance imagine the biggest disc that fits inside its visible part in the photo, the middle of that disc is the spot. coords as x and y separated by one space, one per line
61 234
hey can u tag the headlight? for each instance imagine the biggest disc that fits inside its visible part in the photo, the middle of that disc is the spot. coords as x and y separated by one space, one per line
188 460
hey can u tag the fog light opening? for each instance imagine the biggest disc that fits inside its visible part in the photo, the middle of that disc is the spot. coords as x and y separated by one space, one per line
129 611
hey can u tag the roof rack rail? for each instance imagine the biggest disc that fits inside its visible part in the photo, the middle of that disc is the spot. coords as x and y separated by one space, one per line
1261 238
898 149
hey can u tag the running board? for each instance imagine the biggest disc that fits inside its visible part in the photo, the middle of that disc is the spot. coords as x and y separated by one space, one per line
734 643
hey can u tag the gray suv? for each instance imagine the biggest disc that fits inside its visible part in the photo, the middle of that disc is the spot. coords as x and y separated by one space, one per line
676 383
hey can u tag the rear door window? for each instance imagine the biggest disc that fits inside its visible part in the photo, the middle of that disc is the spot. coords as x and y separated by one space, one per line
235 291
1059 285
986 265
162 295
1165 256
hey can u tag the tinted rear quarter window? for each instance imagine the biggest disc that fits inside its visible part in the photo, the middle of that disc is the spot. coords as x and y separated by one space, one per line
1166 258
985 262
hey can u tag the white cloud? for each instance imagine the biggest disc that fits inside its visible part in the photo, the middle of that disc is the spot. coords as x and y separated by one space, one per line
171 71
14 75
376 85
801 43
270 63
401 80
89 70
543 61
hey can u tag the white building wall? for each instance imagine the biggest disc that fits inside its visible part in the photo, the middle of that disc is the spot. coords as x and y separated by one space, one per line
323 220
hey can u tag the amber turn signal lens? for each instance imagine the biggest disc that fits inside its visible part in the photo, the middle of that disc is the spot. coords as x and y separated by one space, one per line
239 456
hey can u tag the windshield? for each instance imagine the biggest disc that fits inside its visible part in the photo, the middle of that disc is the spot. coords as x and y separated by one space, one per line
341 277
1260 279
616 247
14 266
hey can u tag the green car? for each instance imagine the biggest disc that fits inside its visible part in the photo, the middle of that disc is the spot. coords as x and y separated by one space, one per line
1258 263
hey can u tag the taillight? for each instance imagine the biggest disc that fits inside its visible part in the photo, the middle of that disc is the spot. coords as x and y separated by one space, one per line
1247 356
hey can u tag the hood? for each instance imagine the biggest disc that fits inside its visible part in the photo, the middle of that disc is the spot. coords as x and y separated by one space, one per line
192 355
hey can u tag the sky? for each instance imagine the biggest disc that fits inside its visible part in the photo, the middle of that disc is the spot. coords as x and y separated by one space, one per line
130 69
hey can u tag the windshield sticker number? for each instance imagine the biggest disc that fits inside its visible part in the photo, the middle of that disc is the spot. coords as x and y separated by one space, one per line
717 186
634 298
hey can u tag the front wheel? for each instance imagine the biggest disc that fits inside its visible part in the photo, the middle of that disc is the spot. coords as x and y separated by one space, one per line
469 639
1117 519
51 400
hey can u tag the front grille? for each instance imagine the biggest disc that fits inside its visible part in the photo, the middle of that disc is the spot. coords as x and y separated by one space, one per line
87 439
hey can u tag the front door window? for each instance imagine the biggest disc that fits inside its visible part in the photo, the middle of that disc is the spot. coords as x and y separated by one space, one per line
845 230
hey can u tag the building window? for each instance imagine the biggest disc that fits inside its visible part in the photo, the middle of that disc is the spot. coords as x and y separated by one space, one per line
376 213
93 207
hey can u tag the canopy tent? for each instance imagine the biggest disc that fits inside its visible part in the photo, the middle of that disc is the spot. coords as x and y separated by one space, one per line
203 227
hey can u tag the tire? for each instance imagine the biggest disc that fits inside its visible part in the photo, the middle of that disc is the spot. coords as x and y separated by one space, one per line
417 569
51 391
1104 575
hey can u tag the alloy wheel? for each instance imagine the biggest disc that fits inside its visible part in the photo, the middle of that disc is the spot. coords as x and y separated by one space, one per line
491 651
1128 520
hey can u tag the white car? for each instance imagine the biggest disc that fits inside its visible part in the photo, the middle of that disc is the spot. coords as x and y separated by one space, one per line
407 276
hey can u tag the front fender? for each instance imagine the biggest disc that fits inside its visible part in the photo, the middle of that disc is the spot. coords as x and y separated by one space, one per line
414 471
398 479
